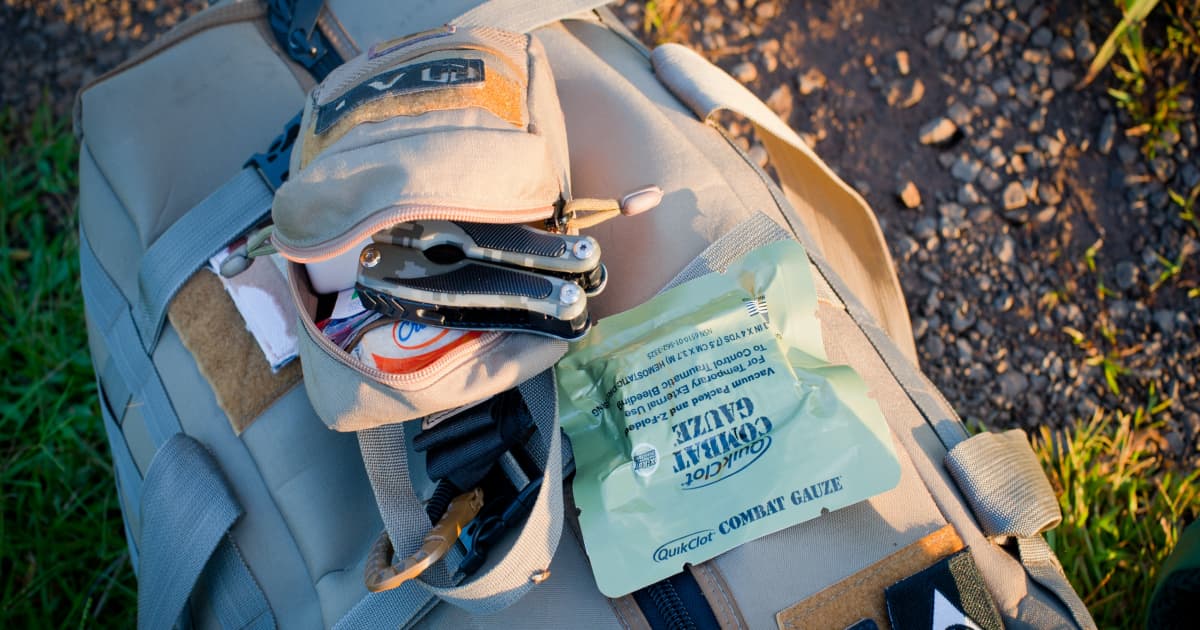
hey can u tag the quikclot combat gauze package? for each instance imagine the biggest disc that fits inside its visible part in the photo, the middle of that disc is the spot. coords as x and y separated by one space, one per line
710 416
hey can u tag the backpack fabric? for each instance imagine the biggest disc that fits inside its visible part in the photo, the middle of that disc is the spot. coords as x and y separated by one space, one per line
243 509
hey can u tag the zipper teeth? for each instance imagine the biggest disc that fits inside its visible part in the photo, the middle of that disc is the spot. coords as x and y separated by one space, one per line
478 345
403 214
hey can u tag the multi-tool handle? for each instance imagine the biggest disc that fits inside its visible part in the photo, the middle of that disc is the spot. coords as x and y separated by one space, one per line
403 283
570 257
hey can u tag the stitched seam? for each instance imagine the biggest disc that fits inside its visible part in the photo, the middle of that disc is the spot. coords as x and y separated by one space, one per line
720 584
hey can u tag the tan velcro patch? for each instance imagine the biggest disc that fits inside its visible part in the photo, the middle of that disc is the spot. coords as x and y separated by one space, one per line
211 329
861 595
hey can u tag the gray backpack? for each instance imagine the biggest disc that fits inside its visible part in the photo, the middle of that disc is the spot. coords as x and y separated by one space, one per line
243 508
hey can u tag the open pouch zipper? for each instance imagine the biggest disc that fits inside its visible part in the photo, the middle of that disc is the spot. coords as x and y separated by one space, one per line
453 358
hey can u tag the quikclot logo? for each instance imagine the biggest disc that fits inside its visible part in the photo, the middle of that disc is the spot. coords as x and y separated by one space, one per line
719 443
683 544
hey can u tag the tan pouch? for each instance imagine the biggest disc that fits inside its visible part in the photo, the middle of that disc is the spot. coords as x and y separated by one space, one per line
456 124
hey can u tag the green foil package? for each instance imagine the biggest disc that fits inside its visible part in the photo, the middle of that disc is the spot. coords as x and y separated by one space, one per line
709 417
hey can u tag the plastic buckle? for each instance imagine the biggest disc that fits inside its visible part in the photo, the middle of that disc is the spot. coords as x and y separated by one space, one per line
382 575
483 532
273 165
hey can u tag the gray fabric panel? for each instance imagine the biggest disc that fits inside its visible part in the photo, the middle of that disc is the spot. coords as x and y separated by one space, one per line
204 125
137 436
103 218
262 534
1004 483
186 511
524 15
186 246
316 478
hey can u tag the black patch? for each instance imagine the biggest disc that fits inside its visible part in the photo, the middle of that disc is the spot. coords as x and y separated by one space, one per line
417 77
952 589
863 624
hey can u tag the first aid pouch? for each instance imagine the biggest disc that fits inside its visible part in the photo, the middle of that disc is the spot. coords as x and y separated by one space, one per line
710 416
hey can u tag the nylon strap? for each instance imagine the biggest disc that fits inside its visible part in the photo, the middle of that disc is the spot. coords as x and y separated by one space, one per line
522 16
1003 482
187 510
187 245
840 221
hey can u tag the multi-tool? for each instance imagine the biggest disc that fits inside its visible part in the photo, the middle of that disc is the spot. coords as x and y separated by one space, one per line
482 276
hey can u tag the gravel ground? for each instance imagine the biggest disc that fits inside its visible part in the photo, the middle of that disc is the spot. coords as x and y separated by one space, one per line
1020 215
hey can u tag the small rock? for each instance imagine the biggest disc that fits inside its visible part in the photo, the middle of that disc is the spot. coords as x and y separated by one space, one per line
1046 215
938 131
925 228
1126 275
1190 176
906 248
986 37
1127 153
960 114
1016 31
1062 51
780 101
985 97
934 347
1085 50
1049 195
811 81
974 7
902 64
1002 87
908 92
1012 385
1005 249
909 195
1051 145
1042 37
1016 164
1014 196
955 45
1163 167
744 72
1062 79
962 319
995 158
965 168
967 195
1108 132
1165 320
1037 16
990 181
935 36
1037 122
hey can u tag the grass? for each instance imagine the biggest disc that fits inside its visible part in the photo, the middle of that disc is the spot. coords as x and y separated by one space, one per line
62 551
1123 510
1156 65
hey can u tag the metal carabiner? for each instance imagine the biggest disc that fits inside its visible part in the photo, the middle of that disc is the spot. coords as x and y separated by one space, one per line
382 575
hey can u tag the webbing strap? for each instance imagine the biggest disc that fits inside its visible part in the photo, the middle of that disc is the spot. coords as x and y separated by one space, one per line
111 316
840 221
186 513
186 246
1003 482
522 16
507 579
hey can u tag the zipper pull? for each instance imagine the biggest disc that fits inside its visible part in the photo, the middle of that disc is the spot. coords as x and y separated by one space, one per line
582 213
256 245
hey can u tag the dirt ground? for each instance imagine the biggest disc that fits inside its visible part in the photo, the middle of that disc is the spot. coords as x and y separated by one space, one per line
1032 259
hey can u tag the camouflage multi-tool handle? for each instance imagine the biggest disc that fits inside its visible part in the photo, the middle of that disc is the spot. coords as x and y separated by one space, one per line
575 258
436 283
